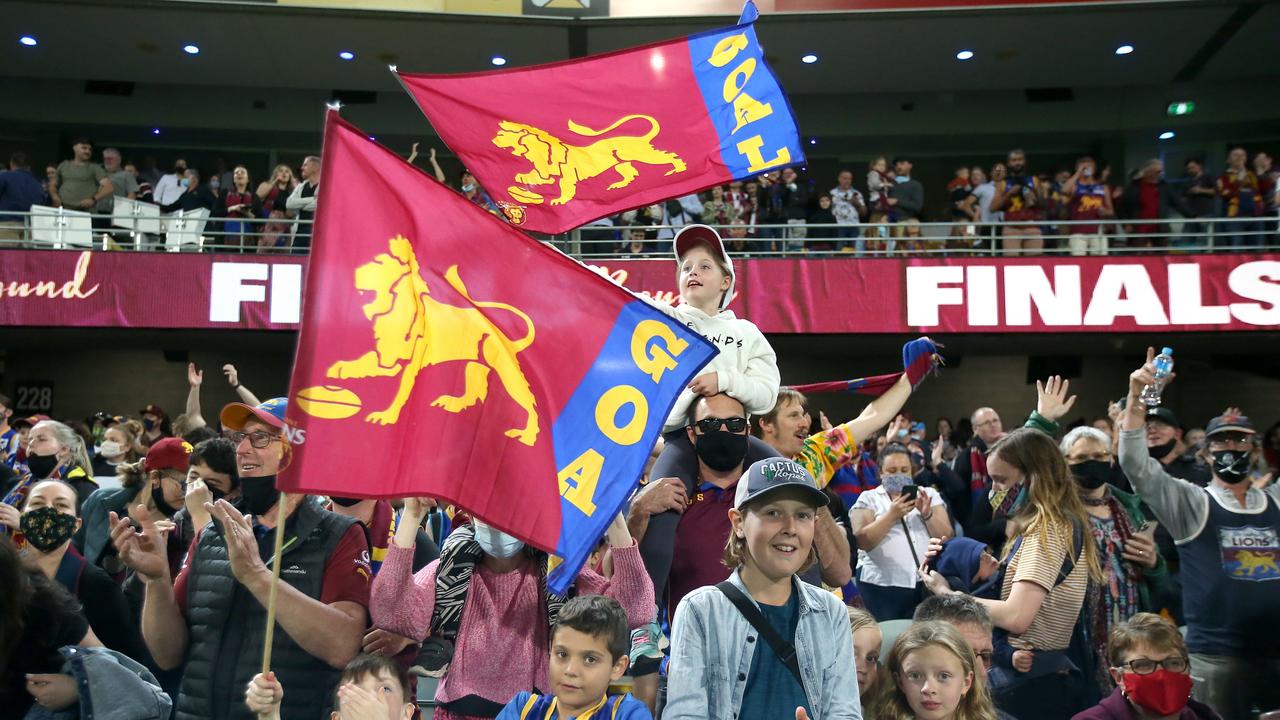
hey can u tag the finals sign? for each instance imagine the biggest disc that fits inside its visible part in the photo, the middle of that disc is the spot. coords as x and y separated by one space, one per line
559 145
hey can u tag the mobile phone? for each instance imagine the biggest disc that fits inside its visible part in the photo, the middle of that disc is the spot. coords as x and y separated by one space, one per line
1148 528
911 491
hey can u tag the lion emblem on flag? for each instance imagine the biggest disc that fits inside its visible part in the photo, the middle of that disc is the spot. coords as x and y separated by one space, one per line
556 162
413 332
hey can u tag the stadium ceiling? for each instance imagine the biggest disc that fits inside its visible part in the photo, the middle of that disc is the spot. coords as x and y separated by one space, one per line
269 46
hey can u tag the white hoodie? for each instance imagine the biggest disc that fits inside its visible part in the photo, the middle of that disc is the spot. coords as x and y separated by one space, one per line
747 366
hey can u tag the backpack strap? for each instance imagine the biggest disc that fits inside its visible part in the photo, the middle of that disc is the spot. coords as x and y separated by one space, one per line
784 649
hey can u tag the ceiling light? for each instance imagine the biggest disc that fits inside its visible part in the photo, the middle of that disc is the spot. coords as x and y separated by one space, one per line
498 60
1167 135
155 131
27 40
1124 49
964 55
813 141
191 49
809 59
347 55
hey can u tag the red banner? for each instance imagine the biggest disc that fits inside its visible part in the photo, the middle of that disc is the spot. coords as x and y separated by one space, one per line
838 295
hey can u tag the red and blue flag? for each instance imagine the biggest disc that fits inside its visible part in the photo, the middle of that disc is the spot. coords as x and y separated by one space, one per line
444 353
562 144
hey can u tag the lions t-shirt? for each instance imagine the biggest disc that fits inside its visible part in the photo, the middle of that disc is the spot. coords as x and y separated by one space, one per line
772 692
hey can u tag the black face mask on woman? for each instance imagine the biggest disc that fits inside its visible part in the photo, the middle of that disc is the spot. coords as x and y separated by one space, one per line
721 451
1091 474
42 466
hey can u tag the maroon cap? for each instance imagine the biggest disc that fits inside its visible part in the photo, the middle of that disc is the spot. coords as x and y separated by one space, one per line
168 454
152 410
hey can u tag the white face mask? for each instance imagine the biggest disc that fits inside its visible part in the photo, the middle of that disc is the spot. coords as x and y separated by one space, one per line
495 542
111 449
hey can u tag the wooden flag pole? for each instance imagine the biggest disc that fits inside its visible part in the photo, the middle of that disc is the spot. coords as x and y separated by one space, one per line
281 505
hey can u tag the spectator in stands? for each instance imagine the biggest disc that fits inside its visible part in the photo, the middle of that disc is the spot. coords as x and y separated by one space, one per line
965 614
879 182
53 452
1087 199
1049 563
971 466
1268 185
677 213
737 243
488 590
1134 570
1200 196
195 196
431 157
822 226
636 244
1151 197
849 208
892 525
122 183
1226 535
1151 672
117 447
381 520
241 205
155 423
769 208
739 197
717 211
272 194
935 676
1021 203
49 520
212 616
9 442
371 687
37 617
303 202
169 188
19 190
722 662
867 640
906 196
964 211
1165 443
1242 199
80 183
211 476
153 488
794 195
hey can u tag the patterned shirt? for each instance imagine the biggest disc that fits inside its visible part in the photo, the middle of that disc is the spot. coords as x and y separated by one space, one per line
826 452
9 448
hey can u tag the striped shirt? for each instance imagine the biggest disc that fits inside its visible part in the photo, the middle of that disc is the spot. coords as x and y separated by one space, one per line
1039 560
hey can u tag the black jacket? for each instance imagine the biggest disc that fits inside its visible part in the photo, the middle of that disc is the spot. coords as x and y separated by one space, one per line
1169 197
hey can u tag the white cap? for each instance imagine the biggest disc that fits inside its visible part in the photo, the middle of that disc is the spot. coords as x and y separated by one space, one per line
691 235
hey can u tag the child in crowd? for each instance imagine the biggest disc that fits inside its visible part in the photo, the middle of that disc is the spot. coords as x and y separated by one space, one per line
589 646
867 640
763 644
932 674
746 367
372 687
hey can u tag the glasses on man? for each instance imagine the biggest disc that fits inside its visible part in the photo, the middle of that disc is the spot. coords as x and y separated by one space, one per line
712 424
985 423
1146 666
257 438
985 656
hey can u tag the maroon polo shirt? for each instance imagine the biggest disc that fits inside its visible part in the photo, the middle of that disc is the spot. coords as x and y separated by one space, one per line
700 538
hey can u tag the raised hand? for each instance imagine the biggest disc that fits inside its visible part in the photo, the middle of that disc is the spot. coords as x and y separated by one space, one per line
384 642
824 422
194 377
1052 401
233 377
242 545
144 551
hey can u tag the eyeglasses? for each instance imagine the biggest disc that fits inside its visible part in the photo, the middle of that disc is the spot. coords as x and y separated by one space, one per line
1146 666
257 438
712 424
985 657
992 421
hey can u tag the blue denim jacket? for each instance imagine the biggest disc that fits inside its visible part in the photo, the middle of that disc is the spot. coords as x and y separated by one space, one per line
712 646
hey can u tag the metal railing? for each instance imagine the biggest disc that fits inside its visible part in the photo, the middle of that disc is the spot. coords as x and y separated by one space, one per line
48 228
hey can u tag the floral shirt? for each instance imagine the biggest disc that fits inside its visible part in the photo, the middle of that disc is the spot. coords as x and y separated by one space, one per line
826 452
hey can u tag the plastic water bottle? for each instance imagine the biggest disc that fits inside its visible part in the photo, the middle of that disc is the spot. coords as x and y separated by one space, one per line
1164 367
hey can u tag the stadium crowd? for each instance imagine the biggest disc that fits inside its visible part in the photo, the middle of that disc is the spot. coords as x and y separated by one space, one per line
1118 564
1008 207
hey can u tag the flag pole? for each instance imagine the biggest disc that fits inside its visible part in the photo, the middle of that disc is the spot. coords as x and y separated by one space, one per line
275 583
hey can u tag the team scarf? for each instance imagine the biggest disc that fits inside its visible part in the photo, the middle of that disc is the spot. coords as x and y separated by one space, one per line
919 358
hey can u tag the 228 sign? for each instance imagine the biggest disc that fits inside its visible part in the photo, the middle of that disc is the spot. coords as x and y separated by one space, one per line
33 397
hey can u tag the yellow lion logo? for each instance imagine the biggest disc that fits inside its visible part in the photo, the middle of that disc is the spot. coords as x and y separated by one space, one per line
1251 562
412 332
555 161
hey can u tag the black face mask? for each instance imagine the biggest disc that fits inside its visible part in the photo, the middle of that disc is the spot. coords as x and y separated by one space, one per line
258 494
721 451
215 492
42 466
47 528
1160 451
1231 466
345 501
157 496
1091 474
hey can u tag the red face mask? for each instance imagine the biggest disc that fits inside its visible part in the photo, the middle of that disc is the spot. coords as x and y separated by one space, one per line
1162 692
